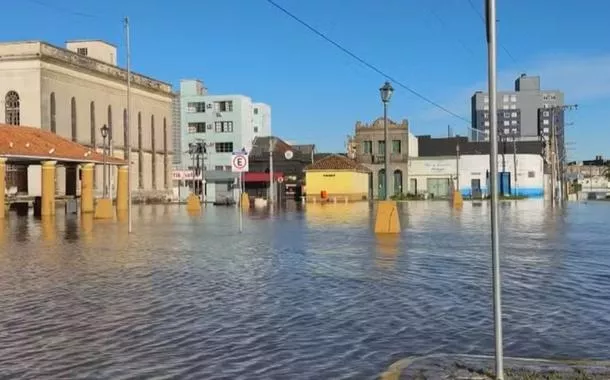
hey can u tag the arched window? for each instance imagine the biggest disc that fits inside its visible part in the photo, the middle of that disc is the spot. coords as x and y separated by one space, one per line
110 134
165 155
92 130
126 145
73 118
140 154
11 108
397 182
381 184
53 113
154 151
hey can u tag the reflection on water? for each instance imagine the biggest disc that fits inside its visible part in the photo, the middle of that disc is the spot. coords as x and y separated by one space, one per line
302 293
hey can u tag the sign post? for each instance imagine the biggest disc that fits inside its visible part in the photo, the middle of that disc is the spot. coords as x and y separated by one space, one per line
240 164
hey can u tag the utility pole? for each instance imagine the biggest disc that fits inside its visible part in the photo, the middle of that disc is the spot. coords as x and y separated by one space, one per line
457 164
271 183
557 160
493 173
128 125
407 160
515 163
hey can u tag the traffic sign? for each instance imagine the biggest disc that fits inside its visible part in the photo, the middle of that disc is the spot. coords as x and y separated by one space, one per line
239 163
288 154
280 180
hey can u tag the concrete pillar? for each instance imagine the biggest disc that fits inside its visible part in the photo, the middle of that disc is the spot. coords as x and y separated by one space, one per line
122 190
2 186
48 188
86 189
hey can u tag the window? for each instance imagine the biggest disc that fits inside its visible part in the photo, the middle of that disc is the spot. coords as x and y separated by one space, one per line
195 107
513 106
553 97
514 131
506 115
219 168
506 131
53 113
486 115
380 147
228 168
486 99
513 122
223 126
255 129
545 105
513 114
196 127
396 146
506 123
505 98
224 147
531 174
486 107
487 123
92 130
545 97
505 106
11 108
545 113
513 98
224 106
256 111
73 118
545 122
545 131
367 147
82 51
109 123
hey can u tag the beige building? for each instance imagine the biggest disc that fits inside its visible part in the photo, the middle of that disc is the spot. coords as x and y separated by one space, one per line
368 148
75 91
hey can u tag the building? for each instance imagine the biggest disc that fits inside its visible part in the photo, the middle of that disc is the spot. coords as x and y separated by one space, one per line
73 92
591 178
337 178
224 124
176 132
525 113
369 151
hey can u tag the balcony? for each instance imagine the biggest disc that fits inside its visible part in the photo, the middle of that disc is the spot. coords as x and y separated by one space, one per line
369 158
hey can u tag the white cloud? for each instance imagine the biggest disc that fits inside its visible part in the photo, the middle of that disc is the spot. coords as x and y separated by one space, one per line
581 78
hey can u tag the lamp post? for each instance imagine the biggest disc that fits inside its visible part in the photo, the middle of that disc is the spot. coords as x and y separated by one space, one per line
104 132
386 92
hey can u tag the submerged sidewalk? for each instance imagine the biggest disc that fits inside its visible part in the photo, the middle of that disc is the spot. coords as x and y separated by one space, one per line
465 367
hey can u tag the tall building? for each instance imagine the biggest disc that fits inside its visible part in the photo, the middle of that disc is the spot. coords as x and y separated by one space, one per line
73 92
176 131
525 113
225 124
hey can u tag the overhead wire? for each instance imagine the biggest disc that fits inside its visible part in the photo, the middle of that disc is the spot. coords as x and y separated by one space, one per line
365 62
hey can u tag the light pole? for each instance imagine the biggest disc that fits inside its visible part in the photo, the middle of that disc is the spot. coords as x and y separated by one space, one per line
386 94
104 132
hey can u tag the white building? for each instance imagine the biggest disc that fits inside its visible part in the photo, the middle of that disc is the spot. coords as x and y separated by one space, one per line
76 90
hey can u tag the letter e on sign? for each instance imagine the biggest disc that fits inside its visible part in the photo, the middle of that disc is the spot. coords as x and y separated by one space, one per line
239 163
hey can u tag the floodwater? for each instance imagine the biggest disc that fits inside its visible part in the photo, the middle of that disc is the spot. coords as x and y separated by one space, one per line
303 294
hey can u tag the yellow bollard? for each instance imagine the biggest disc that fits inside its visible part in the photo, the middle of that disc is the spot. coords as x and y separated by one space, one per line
47 207
86 189
193 204
386 219
104 209
122 190
245 201
457 200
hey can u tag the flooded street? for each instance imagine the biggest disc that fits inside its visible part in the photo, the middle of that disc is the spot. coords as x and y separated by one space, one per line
307 294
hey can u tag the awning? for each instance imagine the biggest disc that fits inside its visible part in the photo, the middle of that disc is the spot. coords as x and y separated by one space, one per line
261 177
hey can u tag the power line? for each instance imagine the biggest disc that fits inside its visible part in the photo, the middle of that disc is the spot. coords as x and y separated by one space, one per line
366 63
66 10
444 25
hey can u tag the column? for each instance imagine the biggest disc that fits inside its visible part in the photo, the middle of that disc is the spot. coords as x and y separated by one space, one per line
48 188
86 188
2 186
122 190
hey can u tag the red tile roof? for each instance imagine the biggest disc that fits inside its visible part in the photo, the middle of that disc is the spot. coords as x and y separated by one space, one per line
337 162
28 143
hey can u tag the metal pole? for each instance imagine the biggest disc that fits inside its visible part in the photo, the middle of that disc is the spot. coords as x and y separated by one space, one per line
493 168
128 126
105 195
553 158
386 161
407 161
515 163
240 207
271 183
457 166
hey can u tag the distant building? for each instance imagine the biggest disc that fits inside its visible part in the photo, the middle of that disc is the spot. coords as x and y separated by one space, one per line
525 113
73 92
337 178
176 131
368 148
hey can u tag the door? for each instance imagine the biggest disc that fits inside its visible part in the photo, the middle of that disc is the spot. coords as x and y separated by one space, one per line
475 188
413 186
439 187
504 183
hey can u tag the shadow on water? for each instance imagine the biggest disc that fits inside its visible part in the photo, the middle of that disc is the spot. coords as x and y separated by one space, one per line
301 293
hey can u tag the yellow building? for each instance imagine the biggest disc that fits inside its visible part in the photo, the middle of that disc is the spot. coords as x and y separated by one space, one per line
337 178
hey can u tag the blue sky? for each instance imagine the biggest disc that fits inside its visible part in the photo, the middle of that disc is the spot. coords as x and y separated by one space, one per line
317 93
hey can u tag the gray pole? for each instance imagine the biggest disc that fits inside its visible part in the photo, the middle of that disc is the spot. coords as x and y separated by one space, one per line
407 161
515 163
493 169
105 195
128 126
386 161
553 159
271 193
457 166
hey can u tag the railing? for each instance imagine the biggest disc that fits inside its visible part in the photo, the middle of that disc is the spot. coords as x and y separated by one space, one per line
380 159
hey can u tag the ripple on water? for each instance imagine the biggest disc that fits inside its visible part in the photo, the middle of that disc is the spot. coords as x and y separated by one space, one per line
309 294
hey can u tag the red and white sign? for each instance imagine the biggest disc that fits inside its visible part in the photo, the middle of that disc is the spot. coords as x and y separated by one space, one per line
185 175
280 180
239 162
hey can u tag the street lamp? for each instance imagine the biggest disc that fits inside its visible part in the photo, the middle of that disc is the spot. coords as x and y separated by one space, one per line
386 94
104 131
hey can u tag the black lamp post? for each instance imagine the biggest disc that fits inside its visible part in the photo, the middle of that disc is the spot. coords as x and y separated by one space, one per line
386 94
104 131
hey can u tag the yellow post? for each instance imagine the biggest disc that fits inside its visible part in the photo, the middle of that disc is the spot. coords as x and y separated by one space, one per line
47 207
386 219
193 205
86 189
122 190
245 201
457 200
2 186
